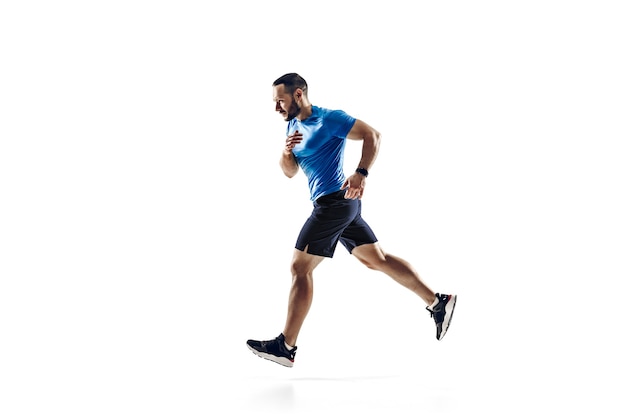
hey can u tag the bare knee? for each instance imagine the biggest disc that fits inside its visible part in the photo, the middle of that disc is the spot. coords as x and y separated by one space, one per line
372 256
303 264
301 270
377 263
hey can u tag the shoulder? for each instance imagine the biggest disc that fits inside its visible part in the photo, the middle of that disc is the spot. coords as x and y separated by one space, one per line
325 111
333 115
337 122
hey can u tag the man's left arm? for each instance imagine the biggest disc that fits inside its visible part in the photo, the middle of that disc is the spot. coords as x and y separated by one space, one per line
371 143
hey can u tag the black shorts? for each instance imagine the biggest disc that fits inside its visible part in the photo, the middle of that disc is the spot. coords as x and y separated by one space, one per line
334 219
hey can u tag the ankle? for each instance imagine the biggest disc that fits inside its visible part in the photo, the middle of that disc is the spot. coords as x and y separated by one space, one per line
287 341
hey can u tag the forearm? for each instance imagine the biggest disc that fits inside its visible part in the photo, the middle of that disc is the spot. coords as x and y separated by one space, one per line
288 164
371 145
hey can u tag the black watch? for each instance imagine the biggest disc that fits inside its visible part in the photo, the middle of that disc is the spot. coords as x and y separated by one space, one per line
362 171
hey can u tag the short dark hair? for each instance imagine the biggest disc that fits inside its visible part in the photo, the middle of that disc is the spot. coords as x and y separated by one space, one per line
292 81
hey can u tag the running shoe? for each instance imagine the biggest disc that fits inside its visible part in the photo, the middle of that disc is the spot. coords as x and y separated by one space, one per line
441 311
273 350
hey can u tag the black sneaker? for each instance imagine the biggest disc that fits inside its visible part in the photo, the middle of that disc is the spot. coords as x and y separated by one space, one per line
273 350
442 313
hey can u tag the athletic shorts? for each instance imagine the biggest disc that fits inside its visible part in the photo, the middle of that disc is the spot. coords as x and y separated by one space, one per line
334 219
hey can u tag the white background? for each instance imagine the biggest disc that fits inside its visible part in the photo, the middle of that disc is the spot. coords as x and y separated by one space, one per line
146 229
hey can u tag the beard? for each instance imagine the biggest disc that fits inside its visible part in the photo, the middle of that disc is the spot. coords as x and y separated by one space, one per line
293 111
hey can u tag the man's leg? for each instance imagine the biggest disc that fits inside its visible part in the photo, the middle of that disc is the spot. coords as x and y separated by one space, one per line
282 349
400 270
301 294
440 306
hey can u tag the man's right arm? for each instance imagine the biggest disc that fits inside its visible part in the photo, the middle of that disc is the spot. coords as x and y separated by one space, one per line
288 164
288 160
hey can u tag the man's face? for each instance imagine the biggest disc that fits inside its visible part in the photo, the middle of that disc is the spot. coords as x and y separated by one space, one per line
286 104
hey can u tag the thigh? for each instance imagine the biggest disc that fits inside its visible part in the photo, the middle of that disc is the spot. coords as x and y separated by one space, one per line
331 216
356 234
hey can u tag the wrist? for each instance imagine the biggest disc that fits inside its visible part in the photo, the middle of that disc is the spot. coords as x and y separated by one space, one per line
363 172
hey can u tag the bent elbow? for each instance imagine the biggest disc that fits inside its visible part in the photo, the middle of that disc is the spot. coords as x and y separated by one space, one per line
289 172
375 137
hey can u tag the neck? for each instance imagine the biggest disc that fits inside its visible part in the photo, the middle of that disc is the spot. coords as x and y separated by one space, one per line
305 111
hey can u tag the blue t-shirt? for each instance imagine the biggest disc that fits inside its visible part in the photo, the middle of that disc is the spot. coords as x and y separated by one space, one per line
320 154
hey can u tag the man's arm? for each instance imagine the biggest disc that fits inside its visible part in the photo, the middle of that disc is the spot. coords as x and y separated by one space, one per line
288 160
371 143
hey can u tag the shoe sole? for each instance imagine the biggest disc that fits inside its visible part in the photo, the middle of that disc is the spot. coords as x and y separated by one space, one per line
279 360
448 317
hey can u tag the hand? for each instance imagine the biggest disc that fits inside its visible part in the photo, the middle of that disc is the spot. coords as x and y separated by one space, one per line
292 140
355 184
